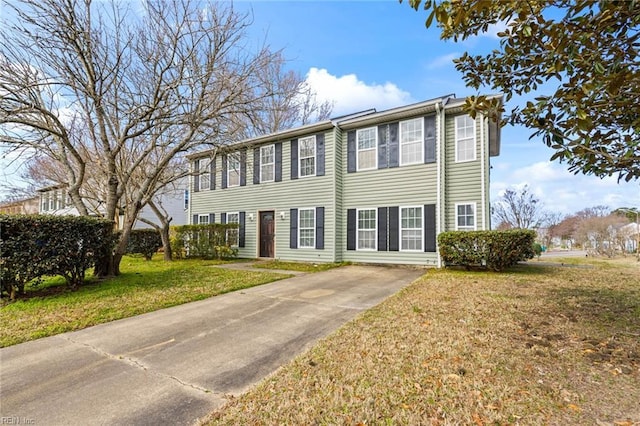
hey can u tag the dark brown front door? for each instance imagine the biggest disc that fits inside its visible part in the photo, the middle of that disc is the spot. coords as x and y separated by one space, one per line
266 234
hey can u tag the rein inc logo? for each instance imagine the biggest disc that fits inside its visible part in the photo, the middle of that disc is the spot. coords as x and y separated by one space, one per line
14 420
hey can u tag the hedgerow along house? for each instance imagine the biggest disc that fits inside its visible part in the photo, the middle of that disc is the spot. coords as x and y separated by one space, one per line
371 187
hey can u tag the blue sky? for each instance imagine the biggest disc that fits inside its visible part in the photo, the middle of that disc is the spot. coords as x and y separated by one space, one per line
364 54
378 54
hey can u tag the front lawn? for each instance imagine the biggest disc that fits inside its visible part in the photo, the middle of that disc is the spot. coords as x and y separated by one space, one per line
142 287
536 345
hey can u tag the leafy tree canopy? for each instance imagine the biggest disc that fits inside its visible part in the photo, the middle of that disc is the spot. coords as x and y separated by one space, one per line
586 51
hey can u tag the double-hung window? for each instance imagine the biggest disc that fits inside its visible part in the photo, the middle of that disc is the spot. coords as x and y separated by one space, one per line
307 228
411 141
466 217
366 231
267 163
44 201
232 233
411 228
233 170
204 180
465 128
367 142
307 156
203 219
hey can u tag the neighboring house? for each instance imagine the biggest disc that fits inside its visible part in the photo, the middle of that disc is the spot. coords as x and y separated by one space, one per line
54 200
25 206
373 187
631 232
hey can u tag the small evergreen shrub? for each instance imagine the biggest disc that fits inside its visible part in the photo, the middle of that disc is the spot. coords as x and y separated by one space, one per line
145 242
32 246
203 241
495 250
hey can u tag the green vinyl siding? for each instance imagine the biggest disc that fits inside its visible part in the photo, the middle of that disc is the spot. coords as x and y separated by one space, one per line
463 183
316 191
340 223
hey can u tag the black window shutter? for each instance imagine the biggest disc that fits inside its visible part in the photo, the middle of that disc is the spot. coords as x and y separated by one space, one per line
320 227
241 228
293 228
224 171
430 228
351 153
223 218
430 139
243 168
256 165
394 231
212 218
382 146
194 219
383 233
212 176
394 147
294 159
351 229
320 154
278 173
196 176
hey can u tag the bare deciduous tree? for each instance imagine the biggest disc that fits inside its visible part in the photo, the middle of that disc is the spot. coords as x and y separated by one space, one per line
518 209
97 83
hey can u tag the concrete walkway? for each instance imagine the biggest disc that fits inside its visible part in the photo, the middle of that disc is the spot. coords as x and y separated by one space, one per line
176 365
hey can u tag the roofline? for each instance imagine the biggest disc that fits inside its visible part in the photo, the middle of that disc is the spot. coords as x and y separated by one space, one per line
390 114
272 137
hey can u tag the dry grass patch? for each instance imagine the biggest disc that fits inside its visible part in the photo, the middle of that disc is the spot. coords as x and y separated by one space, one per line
536 345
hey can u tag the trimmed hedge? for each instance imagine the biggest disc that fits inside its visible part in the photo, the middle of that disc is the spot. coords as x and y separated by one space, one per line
145 242
495 250
203 241
36 245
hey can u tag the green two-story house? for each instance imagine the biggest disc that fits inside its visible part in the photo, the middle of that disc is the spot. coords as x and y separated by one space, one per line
375 187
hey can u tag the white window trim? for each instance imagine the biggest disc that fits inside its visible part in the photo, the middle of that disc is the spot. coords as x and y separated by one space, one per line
230 158
315 156
420 142
375 237
400 228
200 216
475 216
237 229
455 130
313 210
273 165
375 149
204 171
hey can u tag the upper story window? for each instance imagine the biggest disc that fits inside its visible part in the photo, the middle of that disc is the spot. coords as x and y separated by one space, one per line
267 163
204 180
466 217
366 229
367 142
411 141
186 199
465 131
307 156
233 170
411 228
307 228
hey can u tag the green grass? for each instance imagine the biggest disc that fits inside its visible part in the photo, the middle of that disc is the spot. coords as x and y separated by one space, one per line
50 308
535 345
297 266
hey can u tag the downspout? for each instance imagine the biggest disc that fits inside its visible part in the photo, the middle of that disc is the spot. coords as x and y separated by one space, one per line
439 169
483 162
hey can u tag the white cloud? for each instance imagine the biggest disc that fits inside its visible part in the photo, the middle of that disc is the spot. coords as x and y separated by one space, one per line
350 94
443 61
562 191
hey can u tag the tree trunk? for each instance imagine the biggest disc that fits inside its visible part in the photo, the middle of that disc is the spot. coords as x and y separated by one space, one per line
166 242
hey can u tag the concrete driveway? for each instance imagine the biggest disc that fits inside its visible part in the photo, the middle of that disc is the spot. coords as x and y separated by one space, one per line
176 365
